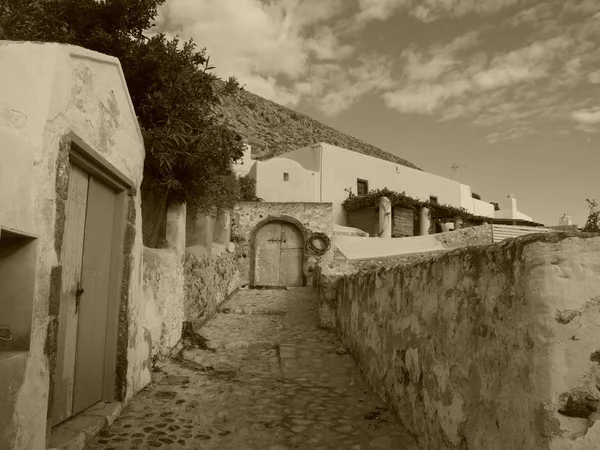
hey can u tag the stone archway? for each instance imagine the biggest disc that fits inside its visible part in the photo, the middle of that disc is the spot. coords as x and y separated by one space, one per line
279 255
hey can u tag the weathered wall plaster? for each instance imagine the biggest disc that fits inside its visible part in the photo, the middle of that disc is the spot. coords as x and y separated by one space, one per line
491 347
310 218
163 299
209 281
47 92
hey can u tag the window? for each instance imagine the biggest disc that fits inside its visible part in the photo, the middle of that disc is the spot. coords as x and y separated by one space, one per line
362 187
433 200
286 176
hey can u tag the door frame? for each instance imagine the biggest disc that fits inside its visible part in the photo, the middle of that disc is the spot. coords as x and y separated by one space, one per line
253 244
74 150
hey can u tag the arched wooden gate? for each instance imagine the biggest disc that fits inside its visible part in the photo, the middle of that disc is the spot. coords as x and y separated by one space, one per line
279 255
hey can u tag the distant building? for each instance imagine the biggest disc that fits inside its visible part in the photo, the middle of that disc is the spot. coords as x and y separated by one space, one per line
325 173
565 220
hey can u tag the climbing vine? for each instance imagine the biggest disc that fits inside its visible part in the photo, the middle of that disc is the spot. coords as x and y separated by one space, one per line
438 211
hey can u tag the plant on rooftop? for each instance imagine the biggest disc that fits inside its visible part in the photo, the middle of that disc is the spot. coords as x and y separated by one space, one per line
441 212
592 224
189 150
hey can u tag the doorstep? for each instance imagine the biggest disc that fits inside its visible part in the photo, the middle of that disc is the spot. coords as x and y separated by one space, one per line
76 432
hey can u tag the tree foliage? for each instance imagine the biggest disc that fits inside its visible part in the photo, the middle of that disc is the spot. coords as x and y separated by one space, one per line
248 189
189 150
592 224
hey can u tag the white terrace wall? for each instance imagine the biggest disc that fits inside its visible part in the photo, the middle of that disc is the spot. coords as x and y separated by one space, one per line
379 174
285 180
182 284
494 347
50 93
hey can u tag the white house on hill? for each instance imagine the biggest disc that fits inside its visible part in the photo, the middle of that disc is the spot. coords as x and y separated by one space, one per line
326 173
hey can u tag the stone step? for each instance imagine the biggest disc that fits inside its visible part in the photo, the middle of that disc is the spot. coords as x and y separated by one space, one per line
251 311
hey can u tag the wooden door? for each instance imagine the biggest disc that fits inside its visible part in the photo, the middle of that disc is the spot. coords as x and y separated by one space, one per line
279 255
83 316
71 257
93 308
268 249
291 256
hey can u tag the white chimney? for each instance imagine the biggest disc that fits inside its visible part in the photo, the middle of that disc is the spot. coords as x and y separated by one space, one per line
565 220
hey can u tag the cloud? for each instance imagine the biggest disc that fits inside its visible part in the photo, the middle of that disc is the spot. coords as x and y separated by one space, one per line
430 65
588 119
594 77
347 85
428 10
523 65
437 77
262 43
378 9
425 98
509 134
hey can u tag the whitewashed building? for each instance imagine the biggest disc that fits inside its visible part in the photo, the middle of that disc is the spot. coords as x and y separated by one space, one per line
326 173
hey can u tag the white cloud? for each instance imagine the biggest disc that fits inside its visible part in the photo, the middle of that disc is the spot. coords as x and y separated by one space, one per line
438 77
324 44
428 10
588 119
594 77
345 86
378 9
509 134
258 41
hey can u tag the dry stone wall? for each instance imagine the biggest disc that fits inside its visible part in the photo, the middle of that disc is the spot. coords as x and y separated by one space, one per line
310 218
491 347
209 281
328 277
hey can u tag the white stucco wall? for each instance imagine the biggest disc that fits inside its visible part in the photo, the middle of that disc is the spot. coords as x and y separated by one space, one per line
481 208
46 92
301 184
511 214
509 210
466 197
309 157
341 168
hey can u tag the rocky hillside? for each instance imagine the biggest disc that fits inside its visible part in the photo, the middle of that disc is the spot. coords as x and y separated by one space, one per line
271 129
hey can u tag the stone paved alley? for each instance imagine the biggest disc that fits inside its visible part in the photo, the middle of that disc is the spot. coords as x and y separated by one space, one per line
276 381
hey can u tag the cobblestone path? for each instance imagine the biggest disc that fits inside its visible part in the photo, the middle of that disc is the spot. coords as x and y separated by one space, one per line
276 381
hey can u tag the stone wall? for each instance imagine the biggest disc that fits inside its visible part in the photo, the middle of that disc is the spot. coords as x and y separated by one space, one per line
328 277
248 217
465 237
209 281
490 347
163 283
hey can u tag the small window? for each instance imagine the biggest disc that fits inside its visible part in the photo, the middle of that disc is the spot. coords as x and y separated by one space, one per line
286 176
362 187
433 200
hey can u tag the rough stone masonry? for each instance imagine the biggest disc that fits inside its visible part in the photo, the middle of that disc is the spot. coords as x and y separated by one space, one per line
490 347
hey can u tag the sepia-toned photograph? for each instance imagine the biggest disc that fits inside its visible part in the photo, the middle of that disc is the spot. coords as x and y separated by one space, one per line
299 224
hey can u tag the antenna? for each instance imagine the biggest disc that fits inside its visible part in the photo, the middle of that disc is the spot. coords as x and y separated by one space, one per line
453 169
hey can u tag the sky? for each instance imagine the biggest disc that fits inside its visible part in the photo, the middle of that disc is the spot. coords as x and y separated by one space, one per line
507 91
